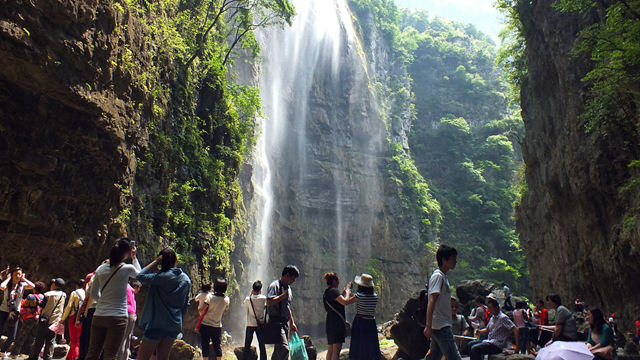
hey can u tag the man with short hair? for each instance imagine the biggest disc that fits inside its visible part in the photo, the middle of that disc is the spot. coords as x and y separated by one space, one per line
51 313
438 323
565 328
497 332
279 296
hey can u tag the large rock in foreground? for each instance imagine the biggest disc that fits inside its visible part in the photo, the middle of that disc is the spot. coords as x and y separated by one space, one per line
407 332
183 351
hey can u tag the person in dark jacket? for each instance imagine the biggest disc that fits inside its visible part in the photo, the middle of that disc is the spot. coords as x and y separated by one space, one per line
166 302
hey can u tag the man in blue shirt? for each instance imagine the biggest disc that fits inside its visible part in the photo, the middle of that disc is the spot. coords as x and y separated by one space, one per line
279 296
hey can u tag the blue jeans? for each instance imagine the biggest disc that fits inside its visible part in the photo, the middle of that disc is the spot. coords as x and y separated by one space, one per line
442 343
479 348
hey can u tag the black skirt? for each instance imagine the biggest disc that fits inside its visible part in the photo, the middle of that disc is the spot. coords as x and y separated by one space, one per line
335 329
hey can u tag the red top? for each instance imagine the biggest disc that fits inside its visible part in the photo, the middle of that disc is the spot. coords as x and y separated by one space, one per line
543 316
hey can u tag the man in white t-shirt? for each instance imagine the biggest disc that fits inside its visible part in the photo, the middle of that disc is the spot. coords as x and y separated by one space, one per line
438 323
255 304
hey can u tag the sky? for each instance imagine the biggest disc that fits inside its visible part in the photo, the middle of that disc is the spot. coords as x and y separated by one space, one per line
480 13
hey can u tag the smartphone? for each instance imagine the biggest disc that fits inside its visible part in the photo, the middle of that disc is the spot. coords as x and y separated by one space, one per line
132 243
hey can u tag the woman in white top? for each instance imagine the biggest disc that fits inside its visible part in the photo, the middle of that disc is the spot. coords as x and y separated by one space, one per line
255 304
211 328
109 289
13 290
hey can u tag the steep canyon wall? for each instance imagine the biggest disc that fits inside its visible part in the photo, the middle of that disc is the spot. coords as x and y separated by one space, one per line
572 213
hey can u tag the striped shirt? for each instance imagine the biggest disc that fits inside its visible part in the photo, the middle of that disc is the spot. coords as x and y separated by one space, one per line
366 304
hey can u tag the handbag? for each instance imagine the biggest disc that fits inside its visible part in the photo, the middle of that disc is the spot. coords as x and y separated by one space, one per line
297 350
347 325
57 327
44 319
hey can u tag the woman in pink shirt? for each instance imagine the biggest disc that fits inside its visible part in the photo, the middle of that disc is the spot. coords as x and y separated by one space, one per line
132 290
519 319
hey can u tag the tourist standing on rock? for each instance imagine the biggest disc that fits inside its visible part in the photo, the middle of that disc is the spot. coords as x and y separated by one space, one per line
52 309
438 323
279 297
507 298
164 307
255 304
334 303
13 289
132 290
109 290
29 311
565 328
364 334
214 307
87 309
520 318
600 340
498 330
70 314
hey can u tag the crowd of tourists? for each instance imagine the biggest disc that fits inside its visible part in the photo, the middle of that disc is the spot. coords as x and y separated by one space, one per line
491 328
100 315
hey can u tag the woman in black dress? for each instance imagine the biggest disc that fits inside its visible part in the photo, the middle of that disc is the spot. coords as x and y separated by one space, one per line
334 303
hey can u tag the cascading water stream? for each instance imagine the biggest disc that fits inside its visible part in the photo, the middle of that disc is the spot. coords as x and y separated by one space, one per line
320 31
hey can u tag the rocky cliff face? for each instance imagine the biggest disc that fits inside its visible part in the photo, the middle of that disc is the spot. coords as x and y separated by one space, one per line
571 217
336 206
102 135
69 126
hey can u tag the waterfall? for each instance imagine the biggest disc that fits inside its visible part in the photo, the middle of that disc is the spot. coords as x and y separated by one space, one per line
320 31
316 186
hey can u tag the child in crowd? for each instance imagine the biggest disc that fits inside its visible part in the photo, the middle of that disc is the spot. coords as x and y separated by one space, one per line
213 307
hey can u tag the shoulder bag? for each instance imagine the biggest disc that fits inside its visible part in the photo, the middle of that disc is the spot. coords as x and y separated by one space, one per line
347 325
44 319
261 325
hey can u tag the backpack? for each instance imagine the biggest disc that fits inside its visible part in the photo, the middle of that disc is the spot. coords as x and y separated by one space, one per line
487 317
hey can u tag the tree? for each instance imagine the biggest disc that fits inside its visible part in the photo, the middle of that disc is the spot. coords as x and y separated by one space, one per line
239 18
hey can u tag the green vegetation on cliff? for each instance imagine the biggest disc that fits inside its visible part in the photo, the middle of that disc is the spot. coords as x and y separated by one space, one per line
187 191
464 140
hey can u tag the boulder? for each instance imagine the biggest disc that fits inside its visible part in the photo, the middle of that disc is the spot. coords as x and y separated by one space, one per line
389 352
468 290
385 329
504 356
183 351
408 334
239 352
60 351
312 352
344 355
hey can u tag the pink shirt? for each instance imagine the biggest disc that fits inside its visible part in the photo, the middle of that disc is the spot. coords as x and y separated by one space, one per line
131 301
